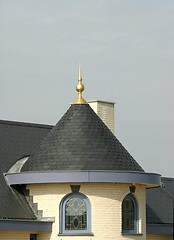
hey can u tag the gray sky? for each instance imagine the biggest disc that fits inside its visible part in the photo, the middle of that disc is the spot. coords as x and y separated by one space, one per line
126 49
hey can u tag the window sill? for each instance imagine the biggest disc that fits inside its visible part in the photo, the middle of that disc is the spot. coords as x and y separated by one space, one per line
137 234
75 234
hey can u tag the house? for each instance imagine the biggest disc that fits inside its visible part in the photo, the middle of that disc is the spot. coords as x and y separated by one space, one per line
75 180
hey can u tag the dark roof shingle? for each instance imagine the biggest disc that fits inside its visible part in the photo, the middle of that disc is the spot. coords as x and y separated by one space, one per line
17 140
159 204
81 141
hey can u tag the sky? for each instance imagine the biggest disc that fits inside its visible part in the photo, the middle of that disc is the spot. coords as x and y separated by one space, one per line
126 49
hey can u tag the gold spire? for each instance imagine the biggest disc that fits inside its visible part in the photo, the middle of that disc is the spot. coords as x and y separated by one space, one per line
80 73
80 89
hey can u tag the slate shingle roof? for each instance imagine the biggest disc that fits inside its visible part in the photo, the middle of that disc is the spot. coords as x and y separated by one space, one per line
159 203
22 139
19 139
81 141
13 204
16 141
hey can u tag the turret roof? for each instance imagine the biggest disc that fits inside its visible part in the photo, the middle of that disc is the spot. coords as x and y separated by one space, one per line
81 141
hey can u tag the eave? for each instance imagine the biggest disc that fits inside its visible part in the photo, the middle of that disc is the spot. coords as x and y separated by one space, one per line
148 179
25 225
160 228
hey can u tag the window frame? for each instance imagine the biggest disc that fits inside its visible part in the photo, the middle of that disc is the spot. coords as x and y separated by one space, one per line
63 231
135 203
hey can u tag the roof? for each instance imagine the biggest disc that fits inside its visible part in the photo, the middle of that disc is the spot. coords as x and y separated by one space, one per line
20 139
17 140
13 204
160 203
81 141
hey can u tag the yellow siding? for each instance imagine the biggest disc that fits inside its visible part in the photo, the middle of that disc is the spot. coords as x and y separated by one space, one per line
14 235
105 199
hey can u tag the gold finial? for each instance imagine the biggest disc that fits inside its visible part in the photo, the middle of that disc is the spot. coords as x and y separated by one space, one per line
80 73
80 89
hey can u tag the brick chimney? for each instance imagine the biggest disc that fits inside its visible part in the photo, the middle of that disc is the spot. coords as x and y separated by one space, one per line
105 110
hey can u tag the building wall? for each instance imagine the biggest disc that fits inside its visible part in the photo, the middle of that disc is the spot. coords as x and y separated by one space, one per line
106 200
14 235
22 235
159 237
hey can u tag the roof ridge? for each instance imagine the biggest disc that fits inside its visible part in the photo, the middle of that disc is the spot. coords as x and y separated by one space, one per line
168 178
26 124
167 192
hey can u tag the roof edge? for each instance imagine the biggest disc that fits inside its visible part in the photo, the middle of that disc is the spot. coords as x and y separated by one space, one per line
149 179
101 101
26 225
168 178
26 124
160 228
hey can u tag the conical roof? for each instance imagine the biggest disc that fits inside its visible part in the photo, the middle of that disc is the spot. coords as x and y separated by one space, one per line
81 141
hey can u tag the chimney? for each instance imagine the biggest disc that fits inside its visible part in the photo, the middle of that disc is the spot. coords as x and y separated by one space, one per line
105 110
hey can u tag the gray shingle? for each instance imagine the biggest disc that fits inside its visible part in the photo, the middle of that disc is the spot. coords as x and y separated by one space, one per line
81 141
17 140
159 204
21 139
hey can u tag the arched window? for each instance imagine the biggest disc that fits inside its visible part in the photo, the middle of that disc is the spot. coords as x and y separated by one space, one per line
129 214
75 214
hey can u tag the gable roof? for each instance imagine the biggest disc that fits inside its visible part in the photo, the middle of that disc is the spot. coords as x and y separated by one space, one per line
17 140
81 141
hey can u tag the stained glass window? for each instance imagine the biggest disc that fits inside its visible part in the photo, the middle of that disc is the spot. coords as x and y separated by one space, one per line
75 214
129 214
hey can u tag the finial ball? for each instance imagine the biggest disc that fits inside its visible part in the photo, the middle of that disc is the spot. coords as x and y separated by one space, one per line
80 87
